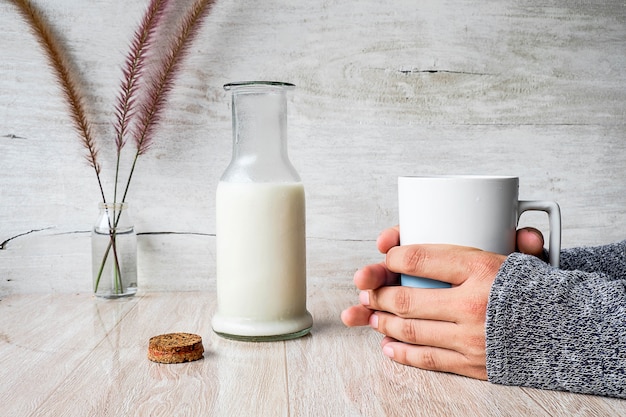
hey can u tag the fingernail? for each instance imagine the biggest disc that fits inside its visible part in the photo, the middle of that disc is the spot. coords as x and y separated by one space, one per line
364 298
374 321
388 351
534 232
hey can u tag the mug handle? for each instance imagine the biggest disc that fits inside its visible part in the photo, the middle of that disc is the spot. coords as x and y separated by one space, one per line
554 217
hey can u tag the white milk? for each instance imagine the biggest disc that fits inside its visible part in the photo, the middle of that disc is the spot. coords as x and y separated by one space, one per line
261 259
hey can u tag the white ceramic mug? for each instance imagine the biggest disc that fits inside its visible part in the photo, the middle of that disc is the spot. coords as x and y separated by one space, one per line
467 210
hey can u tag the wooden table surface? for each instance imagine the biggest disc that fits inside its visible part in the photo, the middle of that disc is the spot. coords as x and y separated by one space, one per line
76 355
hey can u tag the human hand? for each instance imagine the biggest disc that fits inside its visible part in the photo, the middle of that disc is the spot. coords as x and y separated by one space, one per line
436 329
528 240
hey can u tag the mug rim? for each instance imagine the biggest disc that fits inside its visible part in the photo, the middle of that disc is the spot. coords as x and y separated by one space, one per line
460 177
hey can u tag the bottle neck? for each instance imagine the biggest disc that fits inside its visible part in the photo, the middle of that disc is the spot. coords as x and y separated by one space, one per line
259 125
113 217
260 135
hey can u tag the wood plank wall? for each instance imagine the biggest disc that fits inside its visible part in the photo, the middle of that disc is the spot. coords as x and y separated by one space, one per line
384 88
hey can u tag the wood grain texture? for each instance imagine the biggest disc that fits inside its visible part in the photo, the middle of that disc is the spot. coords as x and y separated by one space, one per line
43 339
534 89
74 355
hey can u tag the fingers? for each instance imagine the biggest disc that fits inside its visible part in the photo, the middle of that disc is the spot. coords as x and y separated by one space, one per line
458 265
356 316
417 332
466 337
406 302
530 241
374 276
388 238
434 329
448 263
433 359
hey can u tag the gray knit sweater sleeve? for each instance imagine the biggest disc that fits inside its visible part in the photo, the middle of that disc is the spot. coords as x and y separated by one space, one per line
562 329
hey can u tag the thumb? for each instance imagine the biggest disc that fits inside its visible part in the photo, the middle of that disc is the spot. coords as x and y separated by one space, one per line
530 241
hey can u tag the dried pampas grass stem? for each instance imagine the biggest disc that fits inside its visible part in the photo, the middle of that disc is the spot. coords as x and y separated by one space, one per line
132 72
143 91
63 71
162 80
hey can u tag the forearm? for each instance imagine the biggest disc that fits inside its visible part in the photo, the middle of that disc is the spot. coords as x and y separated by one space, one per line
555 329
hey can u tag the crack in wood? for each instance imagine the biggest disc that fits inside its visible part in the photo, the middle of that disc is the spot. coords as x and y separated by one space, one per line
144 233
175 233
436 71
5 242
330 239
13 136
3 245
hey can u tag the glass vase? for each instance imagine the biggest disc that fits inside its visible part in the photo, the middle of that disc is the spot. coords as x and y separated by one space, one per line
114 252
260 224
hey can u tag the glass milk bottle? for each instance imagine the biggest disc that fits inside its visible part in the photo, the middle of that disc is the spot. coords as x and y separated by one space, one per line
260 223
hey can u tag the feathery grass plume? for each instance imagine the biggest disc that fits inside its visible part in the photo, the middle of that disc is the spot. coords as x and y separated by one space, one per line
134 67
162 81
60 63
135 115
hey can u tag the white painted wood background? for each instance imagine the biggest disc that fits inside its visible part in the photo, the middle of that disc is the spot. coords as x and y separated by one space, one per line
384 88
